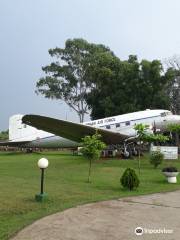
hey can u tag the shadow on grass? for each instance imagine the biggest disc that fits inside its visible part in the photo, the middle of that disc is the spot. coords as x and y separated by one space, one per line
55 154
36 153
11 153
162 182
109 188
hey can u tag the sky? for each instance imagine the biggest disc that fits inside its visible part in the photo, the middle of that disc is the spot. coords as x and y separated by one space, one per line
148 29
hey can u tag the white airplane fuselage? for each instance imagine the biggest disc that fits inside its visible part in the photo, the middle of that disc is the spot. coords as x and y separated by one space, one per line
122 123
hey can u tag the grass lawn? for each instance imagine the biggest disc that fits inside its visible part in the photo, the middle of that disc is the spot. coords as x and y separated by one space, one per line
65 183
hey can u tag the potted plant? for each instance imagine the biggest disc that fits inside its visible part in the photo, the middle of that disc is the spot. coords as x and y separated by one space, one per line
170 173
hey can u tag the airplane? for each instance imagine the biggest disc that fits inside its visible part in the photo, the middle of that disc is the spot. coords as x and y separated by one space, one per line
35 131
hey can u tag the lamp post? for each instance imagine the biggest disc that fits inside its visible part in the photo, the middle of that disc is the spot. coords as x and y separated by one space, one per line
42 164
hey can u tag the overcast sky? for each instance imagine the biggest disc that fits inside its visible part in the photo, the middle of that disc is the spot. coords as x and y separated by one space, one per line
28 28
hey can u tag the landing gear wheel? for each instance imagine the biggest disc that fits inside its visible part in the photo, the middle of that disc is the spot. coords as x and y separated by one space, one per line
135 152
127 154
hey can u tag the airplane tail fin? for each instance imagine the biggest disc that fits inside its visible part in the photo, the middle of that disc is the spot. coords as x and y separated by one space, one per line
19 131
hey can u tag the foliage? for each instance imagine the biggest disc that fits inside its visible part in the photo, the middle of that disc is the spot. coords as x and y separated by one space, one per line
141 130
174 128
84 74
92 147
129 179
156 158
173 88
141 134
4 135
170 169
151 138
144 135
67 78
126 86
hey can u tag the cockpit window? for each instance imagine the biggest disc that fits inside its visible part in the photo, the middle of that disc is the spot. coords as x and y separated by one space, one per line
163 114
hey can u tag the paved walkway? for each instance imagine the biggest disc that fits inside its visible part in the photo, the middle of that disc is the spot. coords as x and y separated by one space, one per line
112 220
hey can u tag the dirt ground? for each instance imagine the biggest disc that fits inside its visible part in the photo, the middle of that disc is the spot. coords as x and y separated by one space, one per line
158 215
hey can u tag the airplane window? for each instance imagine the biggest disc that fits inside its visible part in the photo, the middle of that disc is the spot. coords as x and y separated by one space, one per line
108 127
127 123
117 125
163 114
166 114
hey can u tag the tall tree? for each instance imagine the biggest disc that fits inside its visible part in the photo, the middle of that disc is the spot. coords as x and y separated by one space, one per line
103 73
173 89
152 85
66 78
126 86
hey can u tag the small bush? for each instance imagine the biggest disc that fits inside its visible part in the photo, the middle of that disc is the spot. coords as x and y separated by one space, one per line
156 158
170 169
129 179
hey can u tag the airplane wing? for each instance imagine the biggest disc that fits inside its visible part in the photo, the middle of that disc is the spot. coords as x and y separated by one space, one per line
70 130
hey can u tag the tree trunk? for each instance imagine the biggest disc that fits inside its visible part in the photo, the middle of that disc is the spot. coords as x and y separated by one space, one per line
81 117
139 162
89 176
177 139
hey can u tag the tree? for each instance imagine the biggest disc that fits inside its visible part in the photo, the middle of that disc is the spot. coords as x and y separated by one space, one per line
103 73
141 133
152 85
67 78
92 147
89 77
173 62
173 89
4 135
126 86
175 128
144 135
174 93
110 95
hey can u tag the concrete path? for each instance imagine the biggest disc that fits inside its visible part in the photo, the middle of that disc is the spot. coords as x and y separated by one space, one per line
158 215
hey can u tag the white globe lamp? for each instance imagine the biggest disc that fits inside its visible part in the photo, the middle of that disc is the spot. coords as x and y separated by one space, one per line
43 163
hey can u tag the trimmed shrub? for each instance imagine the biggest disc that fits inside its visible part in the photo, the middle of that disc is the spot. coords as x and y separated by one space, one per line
129 179
156 158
